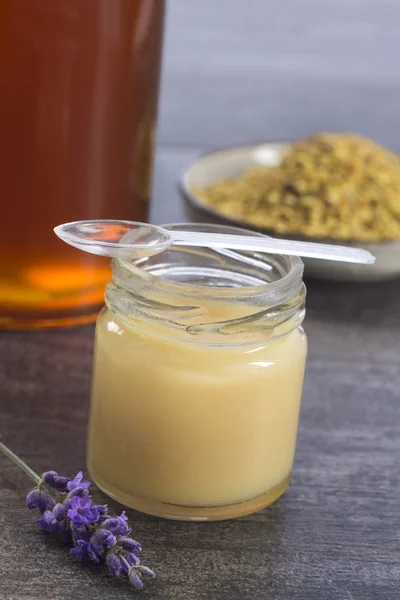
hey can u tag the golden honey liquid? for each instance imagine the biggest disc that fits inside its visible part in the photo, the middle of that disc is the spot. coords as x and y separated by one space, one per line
193 426
79 82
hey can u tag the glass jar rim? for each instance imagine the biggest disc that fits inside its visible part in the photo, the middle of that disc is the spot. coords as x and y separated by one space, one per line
263 308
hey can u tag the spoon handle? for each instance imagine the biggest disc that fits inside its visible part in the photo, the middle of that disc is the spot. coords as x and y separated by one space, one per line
272 245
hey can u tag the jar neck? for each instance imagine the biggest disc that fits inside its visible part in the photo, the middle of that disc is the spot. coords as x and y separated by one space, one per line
163 300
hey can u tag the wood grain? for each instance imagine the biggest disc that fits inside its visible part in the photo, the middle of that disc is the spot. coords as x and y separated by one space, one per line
237 70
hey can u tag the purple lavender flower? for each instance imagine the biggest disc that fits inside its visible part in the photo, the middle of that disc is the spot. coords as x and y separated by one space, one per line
79 532
94 534
132 559
135 579
85 549
113 563
39 499
117 525
103 509
60 514
92 554
81 491
80 550
146 571
55 481
102 539
135 575
129 544
32 499
59 511
77 482
48 522
82 511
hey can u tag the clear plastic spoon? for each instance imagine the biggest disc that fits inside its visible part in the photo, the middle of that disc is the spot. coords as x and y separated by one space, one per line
127 239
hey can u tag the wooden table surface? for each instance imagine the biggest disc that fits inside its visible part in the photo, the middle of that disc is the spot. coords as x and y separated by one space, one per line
238 70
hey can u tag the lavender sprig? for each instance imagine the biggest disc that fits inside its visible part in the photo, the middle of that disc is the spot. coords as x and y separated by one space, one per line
66 507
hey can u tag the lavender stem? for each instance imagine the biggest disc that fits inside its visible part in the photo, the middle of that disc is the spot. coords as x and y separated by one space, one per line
20 463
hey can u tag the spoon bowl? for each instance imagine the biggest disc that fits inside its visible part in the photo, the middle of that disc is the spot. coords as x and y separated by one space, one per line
115 239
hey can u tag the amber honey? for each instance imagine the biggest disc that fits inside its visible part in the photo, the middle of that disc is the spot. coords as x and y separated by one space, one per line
78 98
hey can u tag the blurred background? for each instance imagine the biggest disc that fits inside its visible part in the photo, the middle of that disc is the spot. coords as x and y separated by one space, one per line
237 71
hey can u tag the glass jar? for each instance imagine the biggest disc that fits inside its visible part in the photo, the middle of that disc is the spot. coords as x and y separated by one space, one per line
79 88
198 372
